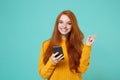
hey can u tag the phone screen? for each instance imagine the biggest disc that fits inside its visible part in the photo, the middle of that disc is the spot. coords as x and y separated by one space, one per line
57 49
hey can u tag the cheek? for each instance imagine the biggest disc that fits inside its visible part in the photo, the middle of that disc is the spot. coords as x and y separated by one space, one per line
70 27
59 27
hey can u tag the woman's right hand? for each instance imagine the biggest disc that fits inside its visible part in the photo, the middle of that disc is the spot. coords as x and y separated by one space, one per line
56 59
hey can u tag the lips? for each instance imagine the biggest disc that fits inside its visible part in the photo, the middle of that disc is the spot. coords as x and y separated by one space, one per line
63 30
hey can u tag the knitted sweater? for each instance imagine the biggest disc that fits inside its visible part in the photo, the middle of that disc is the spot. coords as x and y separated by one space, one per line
61 71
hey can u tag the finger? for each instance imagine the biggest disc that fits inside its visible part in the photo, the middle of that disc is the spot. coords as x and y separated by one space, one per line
91 38
55 54
88 38
95 35
59 56
62 57
53 59
92 41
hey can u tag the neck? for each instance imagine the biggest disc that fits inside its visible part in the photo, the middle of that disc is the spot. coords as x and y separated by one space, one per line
64 37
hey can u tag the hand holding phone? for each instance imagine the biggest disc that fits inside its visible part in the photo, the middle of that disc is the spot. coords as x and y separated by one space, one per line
57 49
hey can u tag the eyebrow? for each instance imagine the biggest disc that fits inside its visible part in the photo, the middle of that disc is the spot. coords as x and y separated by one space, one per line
69 21
62 20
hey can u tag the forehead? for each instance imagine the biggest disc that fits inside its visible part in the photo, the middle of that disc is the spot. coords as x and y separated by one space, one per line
64 18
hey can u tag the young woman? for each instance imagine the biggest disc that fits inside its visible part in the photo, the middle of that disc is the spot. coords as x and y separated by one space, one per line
76 54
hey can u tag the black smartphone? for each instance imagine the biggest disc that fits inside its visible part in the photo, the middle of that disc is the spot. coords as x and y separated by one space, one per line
57 49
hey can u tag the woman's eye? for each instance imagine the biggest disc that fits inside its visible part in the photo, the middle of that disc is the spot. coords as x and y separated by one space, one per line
69 23
60 22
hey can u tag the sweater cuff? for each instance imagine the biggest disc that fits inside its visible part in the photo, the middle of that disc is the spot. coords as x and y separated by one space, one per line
50 62
88 46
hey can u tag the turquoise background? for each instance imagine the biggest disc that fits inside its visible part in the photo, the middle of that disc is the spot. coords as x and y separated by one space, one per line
25 24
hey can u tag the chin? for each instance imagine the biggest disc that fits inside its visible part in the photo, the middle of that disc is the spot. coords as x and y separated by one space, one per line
63 33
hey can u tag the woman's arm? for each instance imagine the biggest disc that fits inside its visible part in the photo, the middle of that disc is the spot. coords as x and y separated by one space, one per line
85 59
45 71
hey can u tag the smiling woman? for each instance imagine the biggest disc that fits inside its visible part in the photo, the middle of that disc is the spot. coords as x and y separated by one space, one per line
64 26
76 55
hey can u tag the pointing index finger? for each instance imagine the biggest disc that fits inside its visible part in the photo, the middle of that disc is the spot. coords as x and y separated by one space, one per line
95 35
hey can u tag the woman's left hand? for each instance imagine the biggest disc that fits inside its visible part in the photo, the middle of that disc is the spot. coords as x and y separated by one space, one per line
90 40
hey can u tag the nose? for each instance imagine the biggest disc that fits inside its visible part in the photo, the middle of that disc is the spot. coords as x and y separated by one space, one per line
64 25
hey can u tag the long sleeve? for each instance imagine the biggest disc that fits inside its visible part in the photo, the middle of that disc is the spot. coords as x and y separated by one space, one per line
85 58
45 71
61 70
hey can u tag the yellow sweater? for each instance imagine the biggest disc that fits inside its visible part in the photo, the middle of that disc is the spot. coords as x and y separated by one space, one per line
61 71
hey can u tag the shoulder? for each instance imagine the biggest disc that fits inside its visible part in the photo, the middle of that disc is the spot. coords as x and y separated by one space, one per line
46 42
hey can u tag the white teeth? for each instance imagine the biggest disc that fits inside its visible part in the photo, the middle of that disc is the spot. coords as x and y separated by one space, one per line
63 30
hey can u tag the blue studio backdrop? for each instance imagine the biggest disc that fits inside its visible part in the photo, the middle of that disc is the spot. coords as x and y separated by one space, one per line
25 24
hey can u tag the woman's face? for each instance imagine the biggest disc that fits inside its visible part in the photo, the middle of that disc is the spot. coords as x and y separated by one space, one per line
64 25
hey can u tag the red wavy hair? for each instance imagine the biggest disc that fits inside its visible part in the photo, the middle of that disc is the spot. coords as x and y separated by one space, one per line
74 41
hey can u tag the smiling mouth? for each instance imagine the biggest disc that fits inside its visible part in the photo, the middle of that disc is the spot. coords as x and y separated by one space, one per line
63 30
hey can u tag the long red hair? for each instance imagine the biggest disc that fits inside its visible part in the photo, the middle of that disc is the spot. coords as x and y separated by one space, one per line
74 41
